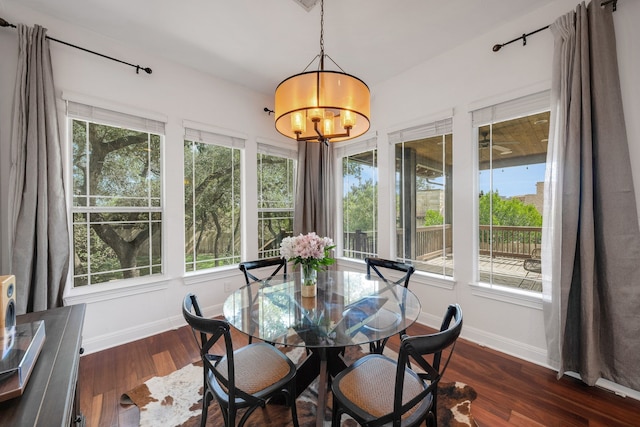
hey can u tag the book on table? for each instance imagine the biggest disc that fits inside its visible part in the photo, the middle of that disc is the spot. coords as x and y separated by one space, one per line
21 345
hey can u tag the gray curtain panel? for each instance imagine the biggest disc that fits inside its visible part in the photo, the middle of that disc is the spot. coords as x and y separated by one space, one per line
315 193
595 304
40 250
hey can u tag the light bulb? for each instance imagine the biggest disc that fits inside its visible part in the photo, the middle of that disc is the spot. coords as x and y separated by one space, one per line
298 122
316 114
347 119
328 123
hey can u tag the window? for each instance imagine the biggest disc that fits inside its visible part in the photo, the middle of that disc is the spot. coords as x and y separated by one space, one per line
212 199
512 150
423 171
360 199
117 195
276 196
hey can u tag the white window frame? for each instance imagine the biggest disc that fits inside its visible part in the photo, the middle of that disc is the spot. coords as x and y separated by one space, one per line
519 106
443 125
84 108
276 151
342 150
205 135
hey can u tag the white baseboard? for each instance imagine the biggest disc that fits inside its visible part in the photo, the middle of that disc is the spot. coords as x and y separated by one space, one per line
137 332
120 337
496 342
523 351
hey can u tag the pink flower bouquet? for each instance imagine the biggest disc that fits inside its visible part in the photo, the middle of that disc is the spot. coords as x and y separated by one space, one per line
309 250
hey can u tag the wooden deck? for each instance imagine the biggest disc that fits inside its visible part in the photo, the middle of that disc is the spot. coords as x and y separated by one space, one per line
506 271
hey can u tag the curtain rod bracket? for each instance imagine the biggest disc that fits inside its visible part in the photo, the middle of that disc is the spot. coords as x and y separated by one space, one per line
4 23
498 46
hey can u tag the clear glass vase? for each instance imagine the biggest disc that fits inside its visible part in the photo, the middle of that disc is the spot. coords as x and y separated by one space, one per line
308 280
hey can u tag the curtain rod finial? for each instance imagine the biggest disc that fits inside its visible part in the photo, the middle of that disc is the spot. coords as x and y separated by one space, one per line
4 23
497 47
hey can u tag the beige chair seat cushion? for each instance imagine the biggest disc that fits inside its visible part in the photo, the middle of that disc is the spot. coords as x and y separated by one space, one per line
257 366
371 385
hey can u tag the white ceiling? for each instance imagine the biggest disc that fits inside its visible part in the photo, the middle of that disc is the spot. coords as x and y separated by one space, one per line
259 43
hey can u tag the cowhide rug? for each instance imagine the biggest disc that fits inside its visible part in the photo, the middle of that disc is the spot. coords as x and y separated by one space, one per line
176 400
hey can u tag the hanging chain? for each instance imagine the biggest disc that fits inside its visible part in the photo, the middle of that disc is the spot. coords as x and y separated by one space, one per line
322 32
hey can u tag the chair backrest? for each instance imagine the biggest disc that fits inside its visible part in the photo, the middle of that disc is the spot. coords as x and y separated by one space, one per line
210 331
415 351
376 263
281 264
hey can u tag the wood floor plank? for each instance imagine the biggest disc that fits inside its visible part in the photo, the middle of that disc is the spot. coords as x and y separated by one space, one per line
487 418
511 392
519 420
109 409
93 416
105 366
164 363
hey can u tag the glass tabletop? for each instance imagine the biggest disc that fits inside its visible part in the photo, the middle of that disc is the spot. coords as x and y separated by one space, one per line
350 308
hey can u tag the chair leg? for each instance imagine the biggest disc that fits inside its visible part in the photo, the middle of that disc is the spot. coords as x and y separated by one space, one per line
294 410
206 400
431 420
203 417
231 417
335 413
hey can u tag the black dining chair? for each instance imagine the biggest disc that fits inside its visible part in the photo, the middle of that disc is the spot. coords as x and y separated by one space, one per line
279 262
244 378
380 266
245 267
377 390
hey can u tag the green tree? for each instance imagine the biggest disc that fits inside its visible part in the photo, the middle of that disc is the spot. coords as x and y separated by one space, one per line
276 177
360 200
433 217
513 212
360 205
114 168
212 202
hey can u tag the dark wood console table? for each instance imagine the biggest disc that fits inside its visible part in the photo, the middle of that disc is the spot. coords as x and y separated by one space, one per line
50 397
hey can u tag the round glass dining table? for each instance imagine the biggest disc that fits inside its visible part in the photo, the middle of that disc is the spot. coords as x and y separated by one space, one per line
350 308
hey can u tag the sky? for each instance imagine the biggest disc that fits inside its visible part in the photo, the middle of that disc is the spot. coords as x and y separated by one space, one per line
509 182
514 181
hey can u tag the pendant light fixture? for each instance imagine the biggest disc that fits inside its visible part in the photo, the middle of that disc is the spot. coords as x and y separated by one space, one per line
322 105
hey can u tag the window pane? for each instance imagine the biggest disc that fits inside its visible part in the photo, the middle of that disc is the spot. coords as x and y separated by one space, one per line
512 156
276 180
360 205
115 167
117 218
112 246
424 215
212 205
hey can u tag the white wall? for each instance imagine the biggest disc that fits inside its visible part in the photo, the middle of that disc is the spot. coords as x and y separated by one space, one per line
466 78
117 315
470 75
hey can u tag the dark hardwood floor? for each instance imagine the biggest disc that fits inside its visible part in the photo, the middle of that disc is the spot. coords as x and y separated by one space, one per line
511 392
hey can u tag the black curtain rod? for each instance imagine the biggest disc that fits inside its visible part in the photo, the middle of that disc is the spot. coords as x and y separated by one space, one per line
4 23
497 47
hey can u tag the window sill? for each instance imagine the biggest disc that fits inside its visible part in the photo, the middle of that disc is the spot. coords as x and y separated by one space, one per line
428 279
113 290
224 272
504 294
420 277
